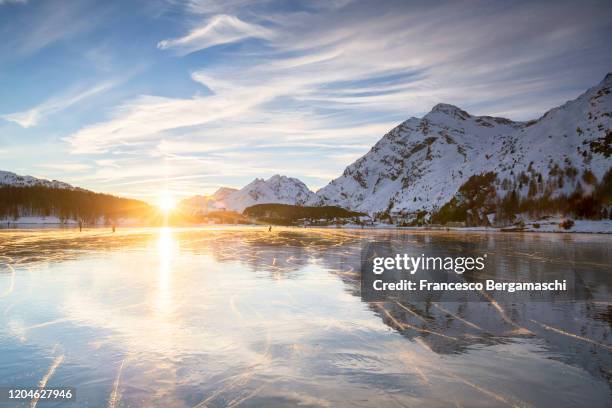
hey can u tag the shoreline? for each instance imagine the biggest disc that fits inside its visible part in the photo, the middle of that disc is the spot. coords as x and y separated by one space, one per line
606 227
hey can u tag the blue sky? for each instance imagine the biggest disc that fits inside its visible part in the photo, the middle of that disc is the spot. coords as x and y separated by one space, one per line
136 98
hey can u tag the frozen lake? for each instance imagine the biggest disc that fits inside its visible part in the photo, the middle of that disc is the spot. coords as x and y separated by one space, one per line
246 317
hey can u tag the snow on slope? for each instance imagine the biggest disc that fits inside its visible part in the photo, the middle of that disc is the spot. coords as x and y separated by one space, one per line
223 192
277 189
12 179
204 204
420 164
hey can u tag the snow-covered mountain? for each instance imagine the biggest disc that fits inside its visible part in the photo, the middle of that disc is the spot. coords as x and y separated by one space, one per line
12 179
277 189
421 164
203 203
223 192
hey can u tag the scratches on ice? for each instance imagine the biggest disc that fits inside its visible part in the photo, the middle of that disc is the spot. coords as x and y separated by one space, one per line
494 395
412 312
11 285
410 360
66 319
43 382
239 400
466 322
240 381
403 326
518 330
234 308
115 395
572 335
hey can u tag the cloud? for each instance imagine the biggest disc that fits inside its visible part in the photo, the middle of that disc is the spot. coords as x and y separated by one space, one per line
187 146
326 86
220 29
35 27
147 117
33 116
3 2
67 167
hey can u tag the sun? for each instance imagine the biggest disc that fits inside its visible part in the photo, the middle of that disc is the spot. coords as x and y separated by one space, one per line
166 203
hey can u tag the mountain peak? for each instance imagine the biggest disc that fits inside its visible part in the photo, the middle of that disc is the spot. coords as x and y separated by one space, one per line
224 189
450 110
276 189
223 192
420 165
9 178
277 177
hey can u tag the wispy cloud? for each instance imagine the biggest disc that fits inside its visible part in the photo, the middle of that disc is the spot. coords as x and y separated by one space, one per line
312 85
3 2
326 86
220 29
33 116
67 167
46 23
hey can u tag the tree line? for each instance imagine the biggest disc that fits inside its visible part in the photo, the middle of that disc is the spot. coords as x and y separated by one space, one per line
288 214
477 197
76 204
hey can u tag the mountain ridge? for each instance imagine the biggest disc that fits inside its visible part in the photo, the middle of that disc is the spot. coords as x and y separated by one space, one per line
8 178
277 189
420 164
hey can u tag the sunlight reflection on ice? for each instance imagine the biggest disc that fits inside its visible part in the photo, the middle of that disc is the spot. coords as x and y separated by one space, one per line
166 247
219 317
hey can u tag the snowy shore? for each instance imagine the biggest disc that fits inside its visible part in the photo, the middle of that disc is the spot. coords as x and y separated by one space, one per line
548 226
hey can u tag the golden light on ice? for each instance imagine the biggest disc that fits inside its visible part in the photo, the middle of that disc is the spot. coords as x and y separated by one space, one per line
165 247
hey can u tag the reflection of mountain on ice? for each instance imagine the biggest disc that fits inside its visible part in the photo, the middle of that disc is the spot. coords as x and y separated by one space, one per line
455 327
445 328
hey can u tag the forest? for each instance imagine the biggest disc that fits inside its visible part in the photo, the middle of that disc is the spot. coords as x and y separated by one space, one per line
76 204
288 214
478 197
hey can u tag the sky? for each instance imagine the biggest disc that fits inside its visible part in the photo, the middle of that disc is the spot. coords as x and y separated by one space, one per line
135 98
